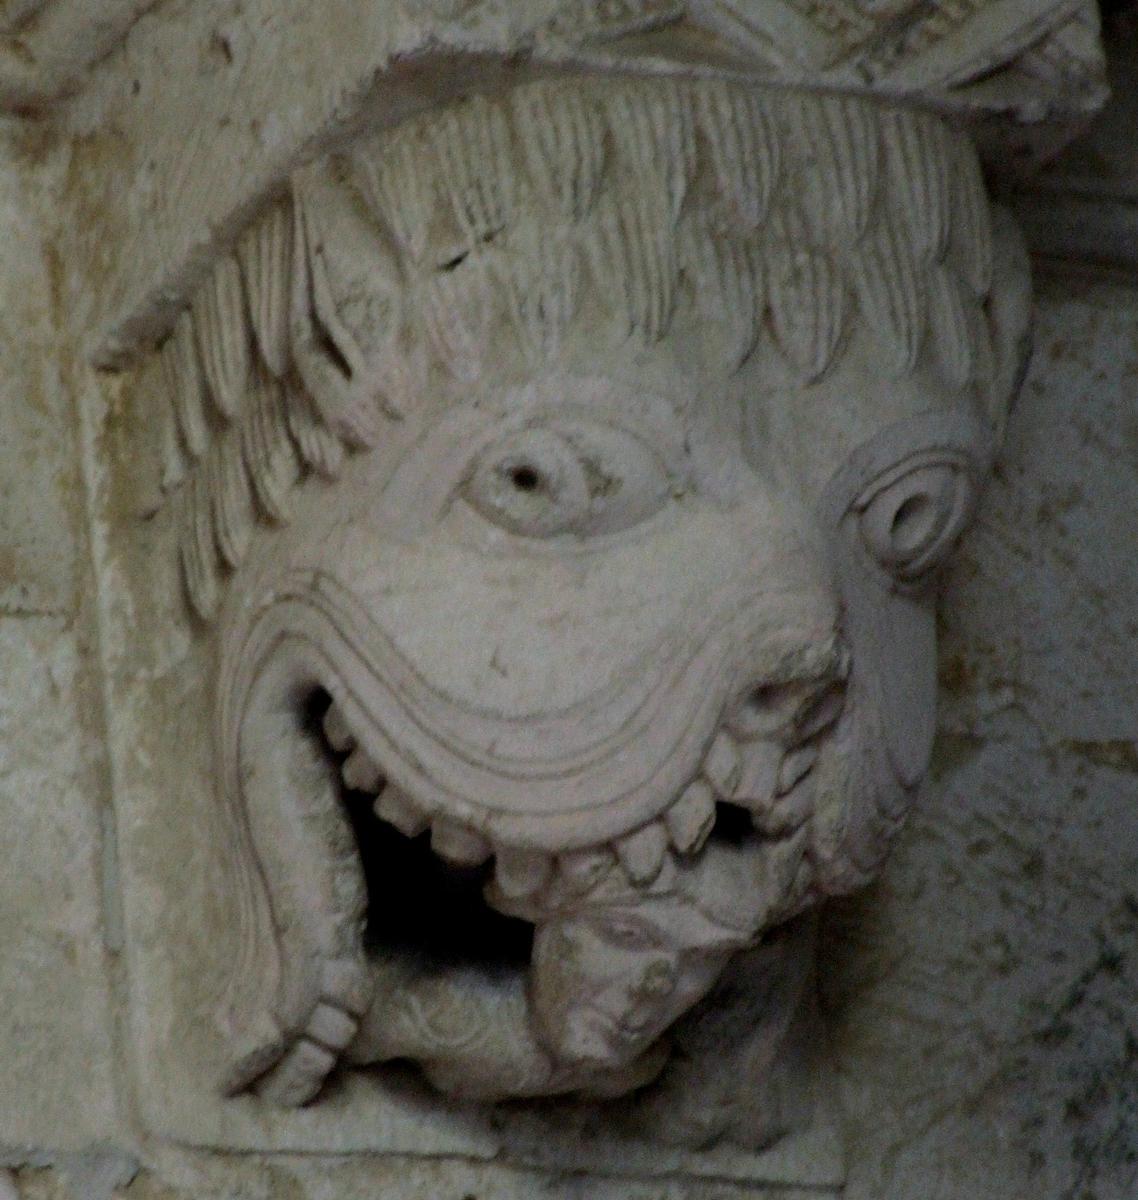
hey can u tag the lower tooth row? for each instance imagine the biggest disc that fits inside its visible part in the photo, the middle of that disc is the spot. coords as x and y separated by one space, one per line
459 845
642 852
754 780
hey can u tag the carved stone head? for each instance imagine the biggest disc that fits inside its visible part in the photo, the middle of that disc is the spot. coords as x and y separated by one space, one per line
647 414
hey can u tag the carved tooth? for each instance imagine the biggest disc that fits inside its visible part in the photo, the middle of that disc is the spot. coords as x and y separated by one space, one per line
642 853
394 806
458 844
298 1076
794 766
759 776
360 773
690 819
521 872
722 767
347 984
581 869
331 1027
785 816
336 730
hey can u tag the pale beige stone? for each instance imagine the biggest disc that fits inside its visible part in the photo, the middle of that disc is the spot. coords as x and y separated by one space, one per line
40 494
58 936
879 299
1001 940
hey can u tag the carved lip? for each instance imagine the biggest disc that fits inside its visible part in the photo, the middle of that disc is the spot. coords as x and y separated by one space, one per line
593 774
761 778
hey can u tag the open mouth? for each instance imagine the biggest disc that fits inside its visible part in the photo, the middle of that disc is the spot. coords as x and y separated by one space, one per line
433 881
422 904
451 911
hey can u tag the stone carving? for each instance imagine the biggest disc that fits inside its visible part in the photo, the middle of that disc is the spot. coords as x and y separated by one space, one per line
565 473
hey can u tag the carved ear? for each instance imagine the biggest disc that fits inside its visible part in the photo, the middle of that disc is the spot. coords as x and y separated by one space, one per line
345 307
1009 315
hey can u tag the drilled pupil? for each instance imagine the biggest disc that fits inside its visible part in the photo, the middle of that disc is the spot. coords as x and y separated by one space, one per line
525 478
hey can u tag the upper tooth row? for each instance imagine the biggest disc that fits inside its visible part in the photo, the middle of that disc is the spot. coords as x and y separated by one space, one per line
754 780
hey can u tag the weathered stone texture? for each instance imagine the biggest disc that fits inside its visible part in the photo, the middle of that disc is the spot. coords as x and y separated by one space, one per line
55 1056
55 1059
984 989
38 499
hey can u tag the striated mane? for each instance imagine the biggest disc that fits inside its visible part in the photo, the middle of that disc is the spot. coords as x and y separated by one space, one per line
785 217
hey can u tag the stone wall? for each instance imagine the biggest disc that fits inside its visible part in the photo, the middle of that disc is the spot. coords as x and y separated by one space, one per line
57 940
980 995
983 990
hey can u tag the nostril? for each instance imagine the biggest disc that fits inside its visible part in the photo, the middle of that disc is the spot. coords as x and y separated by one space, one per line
766 708
793 710
767 697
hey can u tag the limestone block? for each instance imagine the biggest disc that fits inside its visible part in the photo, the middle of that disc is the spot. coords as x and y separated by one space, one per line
985 988
56 1057
536 482
39 495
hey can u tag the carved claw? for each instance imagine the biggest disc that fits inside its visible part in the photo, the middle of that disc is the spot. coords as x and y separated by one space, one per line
307 1057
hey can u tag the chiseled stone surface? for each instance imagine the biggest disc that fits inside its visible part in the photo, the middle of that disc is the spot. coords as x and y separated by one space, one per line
39 499
55 1057
55 1054
539 669
979 994
984 990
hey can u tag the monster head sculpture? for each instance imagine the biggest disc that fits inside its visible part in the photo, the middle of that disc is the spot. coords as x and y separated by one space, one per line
647 413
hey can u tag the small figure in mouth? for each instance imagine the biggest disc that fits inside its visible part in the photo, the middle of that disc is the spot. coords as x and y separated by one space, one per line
611 970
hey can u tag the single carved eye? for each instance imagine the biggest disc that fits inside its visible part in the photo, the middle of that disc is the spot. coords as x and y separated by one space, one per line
911 521
540 482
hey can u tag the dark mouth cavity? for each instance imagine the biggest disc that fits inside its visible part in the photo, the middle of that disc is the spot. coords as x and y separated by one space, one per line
419 906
